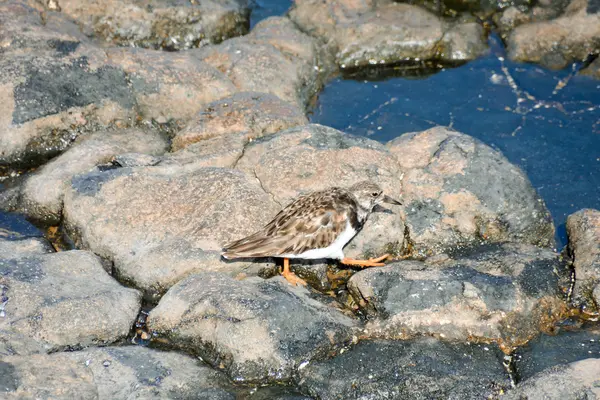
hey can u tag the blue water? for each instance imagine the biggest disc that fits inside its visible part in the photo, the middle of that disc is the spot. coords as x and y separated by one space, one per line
262 9
553 134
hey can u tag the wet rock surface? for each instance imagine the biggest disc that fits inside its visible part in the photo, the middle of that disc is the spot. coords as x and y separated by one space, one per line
112 373
159 224
584 244
65 300
558 42
374 33
501 293
457 191
170 25
254 329
425 368
43 192
315 157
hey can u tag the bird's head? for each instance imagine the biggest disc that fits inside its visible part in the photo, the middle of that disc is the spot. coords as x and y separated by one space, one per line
369 195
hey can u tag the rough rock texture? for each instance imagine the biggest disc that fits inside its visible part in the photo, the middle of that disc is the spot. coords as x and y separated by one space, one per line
315 157
274 58
170 85
505 294
250 113
593 69
159 224
561 348
509 18
111 373
457 191
24 247
421 369
65 300
172 25
560 41
54 85
43 192
16 344
578 380
583 228
385 32
255 329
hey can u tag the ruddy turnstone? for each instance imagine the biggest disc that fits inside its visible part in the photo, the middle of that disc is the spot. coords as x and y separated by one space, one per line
314 226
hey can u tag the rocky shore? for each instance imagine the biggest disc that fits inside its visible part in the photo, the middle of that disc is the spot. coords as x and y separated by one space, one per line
143 138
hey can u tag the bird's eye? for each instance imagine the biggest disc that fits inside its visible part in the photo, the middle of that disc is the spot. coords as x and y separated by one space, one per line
374 194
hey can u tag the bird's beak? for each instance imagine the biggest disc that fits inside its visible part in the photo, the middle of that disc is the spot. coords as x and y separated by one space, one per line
388 199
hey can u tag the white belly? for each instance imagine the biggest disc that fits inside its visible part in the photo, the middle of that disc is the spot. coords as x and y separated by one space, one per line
334 250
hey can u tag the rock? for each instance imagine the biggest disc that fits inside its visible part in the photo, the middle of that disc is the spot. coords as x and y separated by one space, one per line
170 85
593 69
315 157
112 373
253 114
54 86
418 369
278 60
256 330
562 348
578 380
503 293
170 25
511 17
558 42
65 300
159 224
43 192
16 344
385 32
217 151
458 192
583 228
24 247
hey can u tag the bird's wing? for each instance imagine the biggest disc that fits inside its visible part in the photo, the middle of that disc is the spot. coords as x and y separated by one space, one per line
297 228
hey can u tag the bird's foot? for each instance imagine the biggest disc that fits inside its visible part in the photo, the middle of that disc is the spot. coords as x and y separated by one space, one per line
371 262
293 279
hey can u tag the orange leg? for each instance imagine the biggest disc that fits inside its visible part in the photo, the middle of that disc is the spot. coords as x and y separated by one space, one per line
371 262
289 275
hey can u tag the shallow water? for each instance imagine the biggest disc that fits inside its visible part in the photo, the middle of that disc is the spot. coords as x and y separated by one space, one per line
552 133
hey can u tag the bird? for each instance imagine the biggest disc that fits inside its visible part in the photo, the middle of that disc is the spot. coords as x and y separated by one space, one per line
316 225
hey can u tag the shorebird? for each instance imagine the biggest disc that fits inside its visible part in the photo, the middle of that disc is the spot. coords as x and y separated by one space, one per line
314 226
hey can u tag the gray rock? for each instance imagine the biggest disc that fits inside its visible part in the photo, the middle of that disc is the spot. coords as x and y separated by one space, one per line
169 25
418 369
385 32
562 347
557 42
457 191
256 330
251 113
54 86
65 300
315 157
112 373
578 380
583 228
278 59
159 224
24 247
505 294
43 192
16 344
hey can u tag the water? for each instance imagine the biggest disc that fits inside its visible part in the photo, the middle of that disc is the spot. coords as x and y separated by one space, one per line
547 122
262 9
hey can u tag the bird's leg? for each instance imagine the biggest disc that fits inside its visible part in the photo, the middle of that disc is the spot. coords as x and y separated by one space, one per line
371 262
289 275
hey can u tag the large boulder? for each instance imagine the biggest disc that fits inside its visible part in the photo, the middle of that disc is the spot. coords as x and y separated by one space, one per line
43 192
418 369
111 373
386 32
315 157
256 330
457 191
170 25
583 228
65 300
505 294
557 42
159 224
